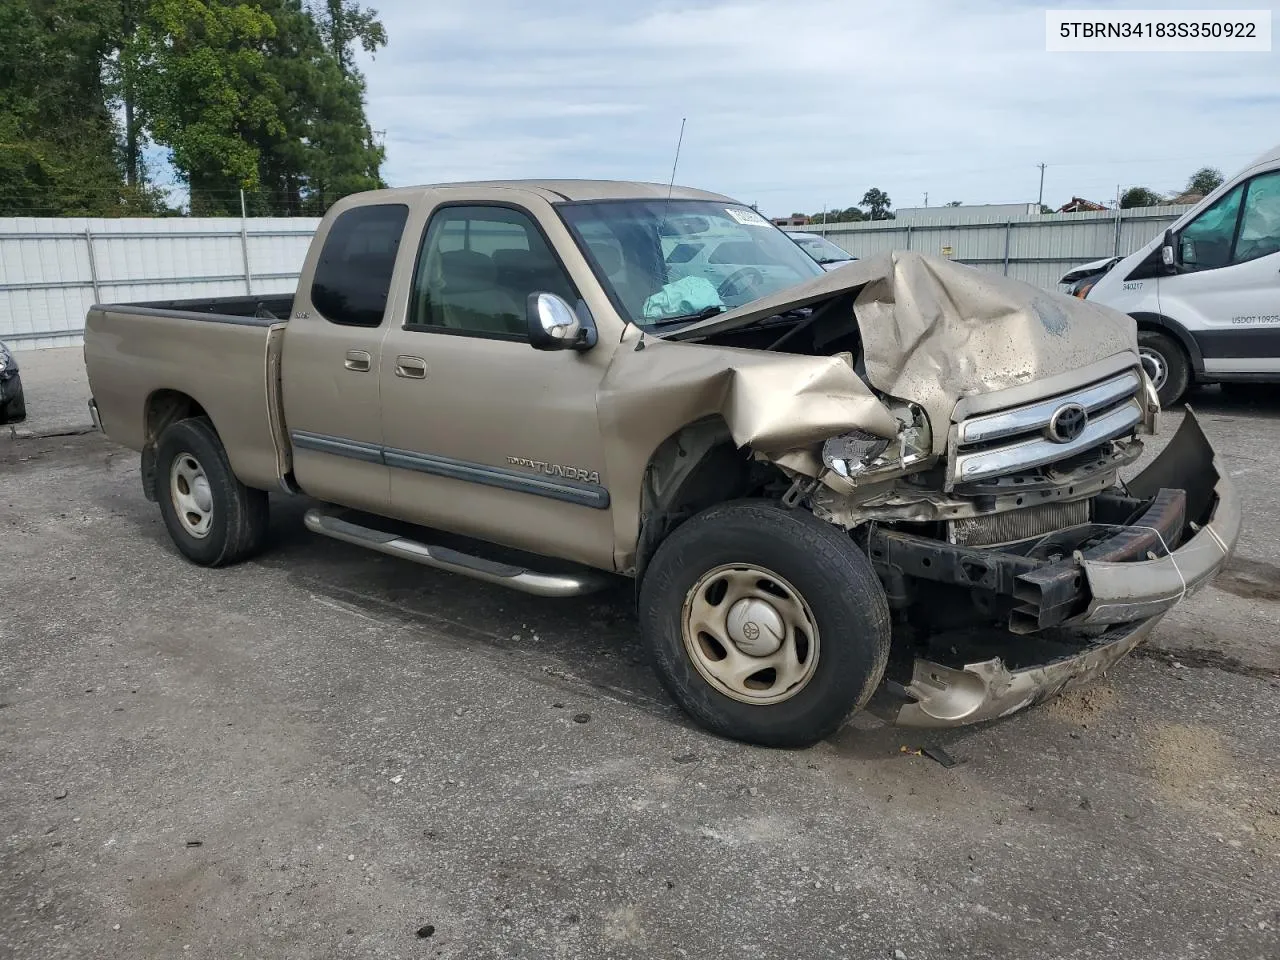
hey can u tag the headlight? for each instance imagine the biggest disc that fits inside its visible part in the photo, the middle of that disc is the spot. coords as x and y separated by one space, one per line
857 455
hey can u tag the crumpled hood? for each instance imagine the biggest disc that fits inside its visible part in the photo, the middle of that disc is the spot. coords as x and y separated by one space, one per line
934 331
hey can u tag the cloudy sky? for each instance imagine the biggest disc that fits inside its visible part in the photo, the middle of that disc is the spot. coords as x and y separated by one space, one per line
800 104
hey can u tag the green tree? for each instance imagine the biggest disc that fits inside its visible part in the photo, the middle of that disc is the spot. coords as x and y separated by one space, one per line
344 24
324 149
1204 181
206 92
955 203
1140 197
847 215
59 151
877 203
260 95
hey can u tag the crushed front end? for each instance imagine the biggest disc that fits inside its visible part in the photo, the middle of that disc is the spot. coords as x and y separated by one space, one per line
980 470
1017 563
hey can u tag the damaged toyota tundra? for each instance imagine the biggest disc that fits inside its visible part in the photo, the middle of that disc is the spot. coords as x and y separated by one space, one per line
900 486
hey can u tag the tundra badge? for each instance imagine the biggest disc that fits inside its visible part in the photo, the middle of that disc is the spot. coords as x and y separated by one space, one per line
556 470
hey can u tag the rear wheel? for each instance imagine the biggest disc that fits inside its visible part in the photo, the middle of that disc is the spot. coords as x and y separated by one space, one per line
765 625
1166 364
213 518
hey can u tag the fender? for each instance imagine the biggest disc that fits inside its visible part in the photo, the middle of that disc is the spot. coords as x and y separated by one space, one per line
1160 322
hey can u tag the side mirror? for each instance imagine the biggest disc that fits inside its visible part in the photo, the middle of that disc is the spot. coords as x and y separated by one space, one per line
554 325
1168 253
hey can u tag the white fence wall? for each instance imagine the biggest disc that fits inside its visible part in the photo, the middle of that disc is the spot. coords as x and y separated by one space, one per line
1037 248
53 270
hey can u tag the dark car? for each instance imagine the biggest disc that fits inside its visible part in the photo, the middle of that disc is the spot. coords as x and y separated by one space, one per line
13 406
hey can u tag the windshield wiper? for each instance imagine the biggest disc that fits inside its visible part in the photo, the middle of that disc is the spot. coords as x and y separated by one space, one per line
704 314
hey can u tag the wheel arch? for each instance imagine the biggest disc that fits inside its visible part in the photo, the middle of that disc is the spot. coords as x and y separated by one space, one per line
1159 323
695 467
163 407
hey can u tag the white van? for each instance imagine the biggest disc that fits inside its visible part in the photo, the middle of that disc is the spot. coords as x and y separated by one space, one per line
1206 294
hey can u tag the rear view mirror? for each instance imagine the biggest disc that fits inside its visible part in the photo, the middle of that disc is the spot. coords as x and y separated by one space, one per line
683 226
554 325
1168 253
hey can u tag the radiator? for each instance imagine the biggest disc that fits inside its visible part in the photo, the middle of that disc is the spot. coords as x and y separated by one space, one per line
1015 525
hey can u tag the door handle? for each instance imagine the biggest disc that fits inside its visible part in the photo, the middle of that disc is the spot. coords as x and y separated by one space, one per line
412 368
358 360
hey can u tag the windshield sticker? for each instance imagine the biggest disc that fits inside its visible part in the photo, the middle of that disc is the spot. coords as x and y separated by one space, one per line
747 217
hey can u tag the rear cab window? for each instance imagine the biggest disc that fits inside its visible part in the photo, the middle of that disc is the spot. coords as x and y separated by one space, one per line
353 273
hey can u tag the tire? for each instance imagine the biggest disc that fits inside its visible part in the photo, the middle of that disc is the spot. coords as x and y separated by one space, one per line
192 473
15 409
798 564
1166 363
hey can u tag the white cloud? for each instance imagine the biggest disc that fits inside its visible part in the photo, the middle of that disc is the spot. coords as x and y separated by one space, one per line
803 103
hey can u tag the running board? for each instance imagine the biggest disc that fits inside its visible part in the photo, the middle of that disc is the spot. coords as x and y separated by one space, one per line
443 558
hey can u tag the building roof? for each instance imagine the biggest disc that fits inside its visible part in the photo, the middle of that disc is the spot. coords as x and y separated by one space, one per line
1080 204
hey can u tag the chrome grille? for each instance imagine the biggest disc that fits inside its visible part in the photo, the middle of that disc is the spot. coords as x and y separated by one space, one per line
1016 525
1009 441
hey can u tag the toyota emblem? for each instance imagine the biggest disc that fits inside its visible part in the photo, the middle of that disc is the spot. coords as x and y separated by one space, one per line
1067 423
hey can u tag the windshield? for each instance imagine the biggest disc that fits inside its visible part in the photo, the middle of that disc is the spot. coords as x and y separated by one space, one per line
661 260
822 250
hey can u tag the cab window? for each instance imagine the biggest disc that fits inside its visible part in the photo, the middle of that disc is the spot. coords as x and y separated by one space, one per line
476 269
1259 234
1205 243
353 273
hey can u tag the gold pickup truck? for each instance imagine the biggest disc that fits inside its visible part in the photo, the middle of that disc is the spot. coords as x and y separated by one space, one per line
893 485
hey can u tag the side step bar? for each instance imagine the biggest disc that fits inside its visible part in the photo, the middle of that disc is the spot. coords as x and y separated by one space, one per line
443 558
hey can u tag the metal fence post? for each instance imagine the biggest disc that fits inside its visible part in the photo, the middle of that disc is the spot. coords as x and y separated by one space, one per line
908 246
1115 252
1008 229
93 265
244 247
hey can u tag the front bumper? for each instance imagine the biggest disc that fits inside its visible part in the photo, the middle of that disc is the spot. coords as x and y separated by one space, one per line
1120 586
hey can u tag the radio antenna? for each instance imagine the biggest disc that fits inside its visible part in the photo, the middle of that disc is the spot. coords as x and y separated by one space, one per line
672 182
676 162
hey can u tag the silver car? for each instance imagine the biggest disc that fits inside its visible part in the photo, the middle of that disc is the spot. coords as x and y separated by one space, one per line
825 253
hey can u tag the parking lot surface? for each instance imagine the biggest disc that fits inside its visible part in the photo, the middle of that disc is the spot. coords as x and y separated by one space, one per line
330 753
57 392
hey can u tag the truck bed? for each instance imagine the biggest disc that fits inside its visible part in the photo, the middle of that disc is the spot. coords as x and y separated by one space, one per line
227 309
222 353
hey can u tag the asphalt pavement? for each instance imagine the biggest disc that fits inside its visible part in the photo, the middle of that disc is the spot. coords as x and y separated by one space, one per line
57 393
329 753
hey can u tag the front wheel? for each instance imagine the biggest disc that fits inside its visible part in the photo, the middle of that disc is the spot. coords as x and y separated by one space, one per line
1166 364
765 625
213 518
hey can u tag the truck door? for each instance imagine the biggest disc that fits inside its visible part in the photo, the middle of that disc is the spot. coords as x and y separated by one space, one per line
484 435
332 355
1226 292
